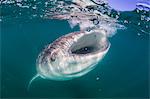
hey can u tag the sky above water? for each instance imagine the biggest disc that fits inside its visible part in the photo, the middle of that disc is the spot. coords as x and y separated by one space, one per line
124 5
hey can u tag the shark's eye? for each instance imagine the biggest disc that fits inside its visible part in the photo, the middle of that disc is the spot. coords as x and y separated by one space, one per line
53 58
95 21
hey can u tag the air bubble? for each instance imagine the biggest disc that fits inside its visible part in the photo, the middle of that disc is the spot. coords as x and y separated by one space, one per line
139 23
125 21
138 34
142 17
97 78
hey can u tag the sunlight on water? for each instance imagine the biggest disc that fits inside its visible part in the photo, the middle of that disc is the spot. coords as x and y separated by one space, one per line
92 10
87 14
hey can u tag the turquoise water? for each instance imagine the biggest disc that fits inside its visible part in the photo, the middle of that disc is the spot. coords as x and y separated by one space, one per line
123 73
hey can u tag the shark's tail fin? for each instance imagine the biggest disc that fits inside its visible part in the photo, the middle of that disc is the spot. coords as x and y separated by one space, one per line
33 78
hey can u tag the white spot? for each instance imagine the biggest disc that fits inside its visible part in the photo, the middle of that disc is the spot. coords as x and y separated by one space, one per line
117 16
125 21
85 48
34 7
137 11
46 3
138 34
142 17
19 0
97 78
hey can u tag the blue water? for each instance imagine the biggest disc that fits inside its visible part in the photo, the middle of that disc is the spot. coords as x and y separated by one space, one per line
123 73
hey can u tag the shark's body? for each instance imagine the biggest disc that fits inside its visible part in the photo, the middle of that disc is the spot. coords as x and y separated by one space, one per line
72 55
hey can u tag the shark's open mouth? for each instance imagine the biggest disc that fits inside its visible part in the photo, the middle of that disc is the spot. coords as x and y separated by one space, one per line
88 44
85 50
